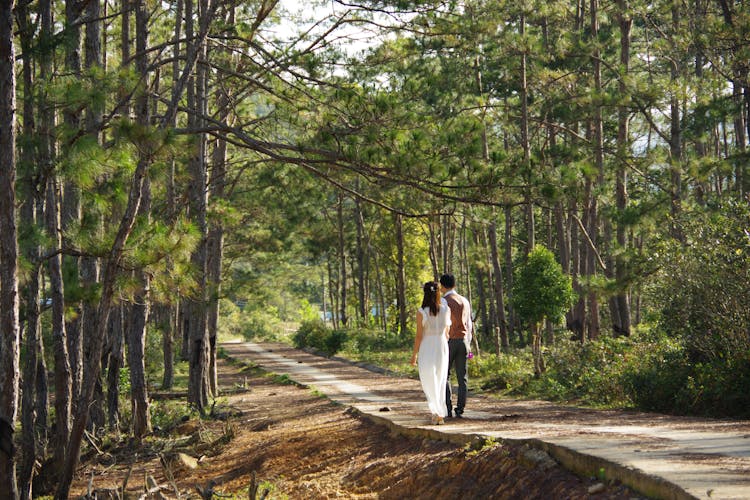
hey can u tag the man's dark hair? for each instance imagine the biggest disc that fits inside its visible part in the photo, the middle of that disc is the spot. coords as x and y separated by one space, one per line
448 280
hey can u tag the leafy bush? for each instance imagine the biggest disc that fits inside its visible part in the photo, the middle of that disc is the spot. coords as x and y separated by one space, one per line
509 372
668 382
721 388
317 335
656 382
590 372
704 286
334 341
309 334
370 339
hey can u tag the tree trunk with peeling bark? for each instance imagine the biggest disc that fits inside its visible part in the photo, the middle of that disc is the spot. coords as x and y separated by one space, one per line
9 306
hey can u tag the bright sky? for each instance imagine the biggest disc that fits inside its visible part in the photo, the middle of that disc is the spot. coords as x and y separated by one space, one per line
317 17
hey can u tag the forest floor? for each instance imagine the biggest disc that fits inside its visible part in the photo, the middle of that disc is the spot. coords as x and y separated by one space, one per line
295 443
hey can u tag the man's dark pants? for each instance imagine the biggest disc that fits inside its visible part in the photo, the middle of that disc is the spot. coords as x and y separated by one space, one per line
457 360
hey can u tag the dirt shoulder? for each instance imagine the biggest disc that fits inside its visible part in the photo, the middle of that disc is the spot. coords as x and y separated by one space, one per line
298 444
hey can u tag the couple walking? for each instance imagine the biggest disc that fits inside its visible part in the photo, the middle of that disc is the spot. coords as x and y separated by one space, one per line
443 341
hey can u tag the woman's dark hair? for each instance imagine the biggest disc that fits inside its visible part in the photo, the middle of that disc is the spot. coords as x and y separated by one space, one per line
431 297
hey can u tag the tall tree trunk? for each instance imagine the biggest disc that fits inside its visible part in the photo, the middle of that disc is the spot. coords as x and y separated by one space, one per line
482 278
342 259
332 292
71 203
434 251
445 246
509 269
116 335
178 314
136 362
202 92
592 225
380 289
400 275
168 322
481 303
9 305
33 414
499 288
675 137
141 306
739 130
525 145
577 318
492 313
701 149
563 236
536 348
362 305
63 376
89 265
216 230
198 388
622 325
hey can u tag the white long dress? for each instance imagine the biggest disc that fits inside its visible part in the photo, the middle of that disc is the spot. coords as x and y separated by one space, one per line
433 358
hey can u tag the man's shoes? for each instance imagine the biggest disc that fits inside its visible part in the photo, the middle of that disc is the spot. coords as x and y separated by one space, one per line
460 415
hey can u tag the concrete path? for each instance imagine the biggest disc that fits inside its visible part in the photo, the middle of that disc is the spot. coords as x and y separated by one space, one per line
657 455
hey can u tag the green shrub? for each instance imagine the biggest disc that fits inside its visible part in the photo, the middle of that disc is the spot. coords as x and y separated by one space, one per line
509 372
365 340
721 388
317 335
703 290
309 333
656 382
541 289
673 385
591 372
334 341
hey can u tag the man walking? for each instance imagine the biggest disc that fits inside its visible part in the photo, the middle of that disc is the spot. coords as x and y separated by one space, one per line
459 342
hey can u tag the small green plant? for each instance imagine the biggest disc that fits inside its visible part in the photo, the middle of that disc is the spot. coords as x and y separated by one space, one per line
480 445
282 379
317 393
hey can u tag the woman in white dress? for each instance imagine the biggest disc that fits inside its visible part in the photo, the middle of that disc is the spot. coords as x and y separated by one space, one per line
431 349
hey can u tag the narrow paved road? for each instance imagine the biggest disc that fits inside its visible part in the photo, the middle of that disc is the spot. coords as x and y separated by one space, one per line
657 455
